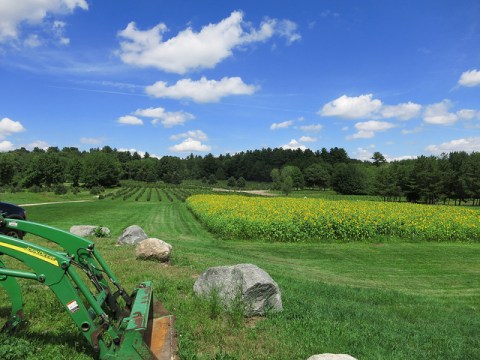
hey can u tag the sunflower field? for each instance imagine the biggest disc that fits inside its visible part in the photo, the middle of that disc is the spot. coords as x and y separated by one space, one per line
318 220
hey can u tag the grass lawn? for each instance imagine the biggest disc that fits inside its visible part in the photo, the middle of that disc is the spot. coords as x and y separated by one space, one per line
373 301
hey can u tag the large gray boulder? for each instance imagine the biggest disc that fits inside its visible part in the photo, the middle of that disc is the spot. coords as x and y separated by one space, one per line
256 289
132 236
88 230
331 357
153 249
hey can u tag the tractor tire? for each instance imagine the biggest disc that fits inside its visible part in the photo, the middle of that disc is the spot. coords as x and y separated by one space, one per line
13 233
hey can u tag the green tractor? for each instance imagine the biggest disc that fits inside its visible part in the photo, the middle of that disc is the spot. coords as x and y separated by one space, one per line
117 324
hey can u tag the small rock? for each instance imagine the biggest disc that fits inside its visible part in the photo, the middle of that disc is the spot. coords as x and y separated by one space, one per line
132 236
88 230
153 249
331 357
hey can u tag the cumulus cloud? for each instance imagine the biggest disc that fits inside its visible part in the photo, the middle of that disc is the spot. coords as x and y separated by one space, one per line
308 139
281 125
14 13
311 128
404 111
468 114
190 50
352 107
363 154
367 129
469 144
38 144
438 114
374 125
201 91
190 145
470 78
365 106
9 127
294 145
129 120
160 116
6 145
193 134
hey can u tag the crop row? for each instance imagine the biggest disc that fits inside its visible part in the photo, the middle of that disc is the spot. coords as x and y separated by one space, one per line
289 219
141 193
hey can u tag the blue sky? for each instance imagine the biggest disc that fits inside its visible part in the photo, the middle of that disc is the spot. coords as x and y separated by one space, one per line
172 78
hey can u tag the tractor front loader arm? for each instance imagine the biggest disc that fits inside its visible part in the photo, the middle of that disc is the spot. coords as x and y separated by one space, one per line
138 328
15 295
55 271
78 249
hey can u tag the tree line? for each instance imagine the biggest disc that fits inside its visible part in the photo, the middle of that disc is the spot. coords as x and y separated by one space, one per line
428 179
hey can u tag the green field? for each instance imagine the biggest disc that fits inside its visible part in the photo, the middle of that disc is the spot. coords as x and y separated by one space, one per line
373 301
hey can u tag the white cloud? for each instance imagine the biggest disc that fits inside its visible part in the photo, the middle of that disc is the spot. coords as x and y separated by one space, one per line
365 106
363 154
466 144
201 91
173 118
166 118
362 134
438 114
293 145
352 107
9 127
281 125
38 144
404 111
367 129
311 128
399 158
308 139
468 114
374 125
190 145
14 13
91 140
129 120
193 134
190 50
6 145
470 78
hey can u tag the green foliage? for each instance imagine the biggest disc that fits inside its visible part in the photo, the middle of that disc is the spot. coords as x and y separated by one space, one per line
212 180
350 179
231 182
101 169
97 190
241 183
99 232
60 189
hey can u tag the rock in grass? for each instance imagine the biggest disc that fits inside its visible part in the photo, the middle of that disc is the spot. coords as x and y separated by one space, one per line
331 357
132 236
89 230
153 249
247 283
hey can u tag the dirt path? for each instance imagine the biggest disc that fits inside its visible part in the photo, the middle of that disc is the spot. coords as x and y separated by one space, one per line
255 192
55 202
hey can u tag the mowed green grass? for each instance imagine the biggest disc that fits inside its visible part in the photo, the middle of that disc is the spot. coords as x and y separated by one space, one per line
373 301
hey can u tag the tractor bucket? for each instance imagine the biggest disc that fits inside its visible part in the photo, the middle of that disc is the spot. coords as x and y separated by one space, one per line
149 332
